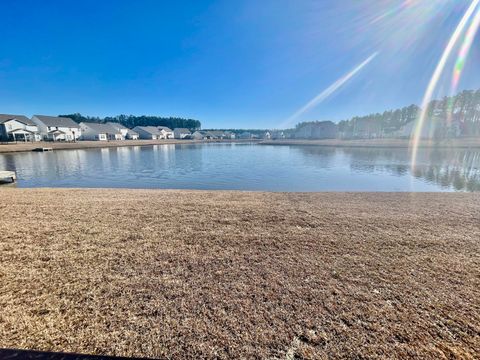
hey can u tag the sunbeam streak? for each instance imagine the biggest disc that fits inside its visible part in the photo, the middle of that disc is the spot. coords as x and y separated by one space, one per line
464 51
405 4
436 77
329 91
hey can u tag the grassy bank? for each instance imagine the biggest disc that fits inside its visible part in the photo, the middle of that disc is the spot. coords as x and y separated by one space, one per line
21 147
193 274
465 143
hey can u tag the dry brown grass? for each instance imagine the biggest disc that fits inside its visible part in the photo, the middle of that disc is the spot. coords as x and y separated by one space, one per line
185 274
462 143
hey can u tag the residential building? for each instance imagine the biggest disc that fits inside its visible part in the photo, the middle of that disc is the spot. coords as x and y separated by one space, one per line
317 130
218 134
277 134
120 128
132 135
245 135
18 128
199 135
229 135
166 132
55 128
99 132
181 133
148 132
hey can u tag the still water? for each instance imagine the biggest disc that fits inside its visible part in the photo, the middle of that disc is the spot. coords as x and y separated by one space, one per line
248 167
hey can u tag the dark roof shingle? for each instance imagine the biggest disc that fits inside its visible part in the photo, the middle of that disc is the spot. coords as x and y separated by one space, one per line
57 121
21 118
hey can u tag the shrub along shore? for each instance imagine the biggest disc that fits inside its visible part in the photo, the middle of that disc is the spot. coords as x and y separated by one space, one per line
195 274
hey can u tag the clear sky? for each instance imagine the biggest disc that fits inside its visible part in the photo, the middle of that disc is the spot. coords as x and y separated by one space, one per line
245 64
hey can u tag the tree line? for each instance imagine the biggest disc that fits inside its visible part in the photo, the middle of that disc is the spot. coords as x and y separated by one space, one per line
461 111
131 121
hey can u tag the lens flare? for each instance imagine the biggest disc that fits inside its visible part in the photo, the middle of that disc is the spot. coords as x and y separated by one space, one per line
415 140
404 5
328 91
464 51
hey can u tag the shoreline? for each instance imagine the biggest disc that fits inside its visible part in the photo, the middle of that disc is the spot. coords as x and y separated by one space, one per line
29 146
466 143
226 274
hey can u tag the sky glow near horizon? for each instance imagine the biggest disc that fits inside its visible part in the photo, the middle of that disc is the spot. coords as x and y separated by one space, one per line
248 65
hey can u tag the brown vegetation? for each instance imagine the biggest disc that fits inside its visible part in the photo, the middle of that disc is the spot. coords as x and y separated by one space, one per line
193 274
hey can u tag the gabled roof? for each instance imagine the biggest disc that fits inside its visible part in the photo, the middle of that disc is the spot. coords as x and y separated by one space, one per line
217 132
101 128
164 128
57 121
19 118
182 130
117 125
149 129
131 132
23 130
56 131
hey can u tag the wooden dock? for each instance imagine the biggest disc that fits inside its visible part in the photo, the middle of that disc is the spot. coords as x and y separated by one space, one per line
7 177
43 149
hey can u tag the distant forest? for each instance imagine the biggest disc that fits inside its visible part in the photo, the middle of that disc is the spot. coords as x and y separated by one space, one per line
131 121
462 109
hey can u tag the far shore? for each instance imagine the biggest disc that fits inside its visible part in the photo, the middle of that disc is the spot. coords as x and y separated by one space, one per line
61 145
464 143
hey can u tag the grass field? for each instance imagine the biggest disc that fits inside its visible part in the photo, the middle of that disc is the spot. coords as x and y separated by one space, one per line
193 274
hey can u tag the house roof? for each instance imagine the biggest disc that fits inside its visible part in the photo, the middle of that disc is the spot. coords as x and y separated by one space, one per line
57 121
182 130
150 129
21 118
164 128
101 128
131 132
117 125
56 131
22 130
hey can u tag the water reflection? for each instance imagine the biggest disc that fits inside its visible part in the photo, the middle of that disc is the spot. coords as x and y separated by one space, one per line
249 167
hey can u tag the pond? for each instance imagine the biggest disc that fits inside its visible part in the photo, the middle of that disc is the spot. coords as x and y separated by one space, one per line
248 167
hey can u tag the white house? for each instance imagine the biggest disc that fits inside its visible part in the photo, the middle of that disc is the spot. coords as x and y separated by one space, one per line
245 135
101 132
57 128
148 132
18 128
202 135
181 133
120 128
198 135
167 133
132 135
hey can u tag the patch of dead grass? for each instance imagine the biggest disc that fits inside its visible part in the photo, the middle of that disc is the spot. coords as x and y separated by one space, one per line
192 274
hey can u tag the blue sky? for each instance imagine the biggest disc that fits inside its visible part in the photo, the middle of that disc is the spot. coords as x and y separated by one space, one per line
245 64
